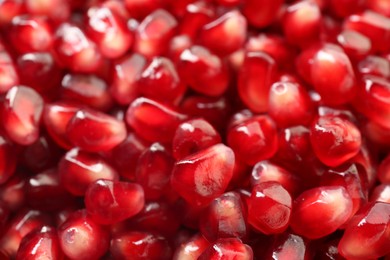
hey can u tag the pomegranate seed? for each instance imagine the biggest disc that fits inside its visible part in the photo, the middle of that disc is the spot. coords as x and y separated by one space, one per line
225 34
78 169
261 13
289 104
177 45
365 237
140 245
44 190
10 9
109 31
254 140
384 170
153 121
81 238
141 8
37 67
22 110
301 23
21 225
375 65
265 171
372 100
8 73
344 8
225 217
125 76
40 244
56 117
289 246
109 202
160 81
94 131
373 25
30 34
212 74
332 75
74 50
191 249
381 193
8 159
334 139
379 6
269 208
12 193
154 32
193 136
57 10
195 180
153 171
355 44
255 78
227 248
329 205
86 89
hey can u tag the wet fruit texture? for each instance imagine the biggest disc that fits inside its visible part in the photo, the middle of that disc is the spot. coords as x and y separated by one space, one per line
195 129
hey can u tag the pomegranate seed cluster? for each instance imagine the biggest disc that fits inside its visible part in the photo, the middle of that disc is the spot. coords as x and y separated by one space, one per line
188 129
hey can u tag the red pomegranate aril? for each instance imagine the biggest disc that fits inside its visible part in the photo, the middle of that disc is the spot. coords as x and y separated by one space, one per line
255 78
95 131
8 73
275 46
109 202
384 170
329 205
154 33
140 246
141 8
153 171
157 217
373 25
191 249
212 73
193 136
344 8
334 139
332 75
373 99
254 140
22 223
8 159
227 248
265 171
355 44
81 238
177 45
160 81
109 31
269 208
22 110
74 50
56 10
261 13
381 193
225 34
86 89
374 65
78 169
194 177
10 9
196 15
42 243
39 71
289 104
152 120
126 72
380 6
301 23
12 193
289 246
30 34
225 217
367 236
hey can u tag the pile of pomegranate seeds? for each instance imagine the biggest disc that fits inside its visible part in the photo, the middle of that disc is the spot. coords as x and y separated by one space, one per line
195 129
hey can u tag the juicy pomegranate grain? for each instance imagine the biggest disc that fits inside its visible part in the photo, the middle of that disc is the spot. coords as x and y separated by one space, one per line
81 238
10 9
8 159
381 193
94 131
227 248
194 177
366 236
329 205
22 111
12 192
334 139
191 249
261 13
374 65
289 246
8 73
